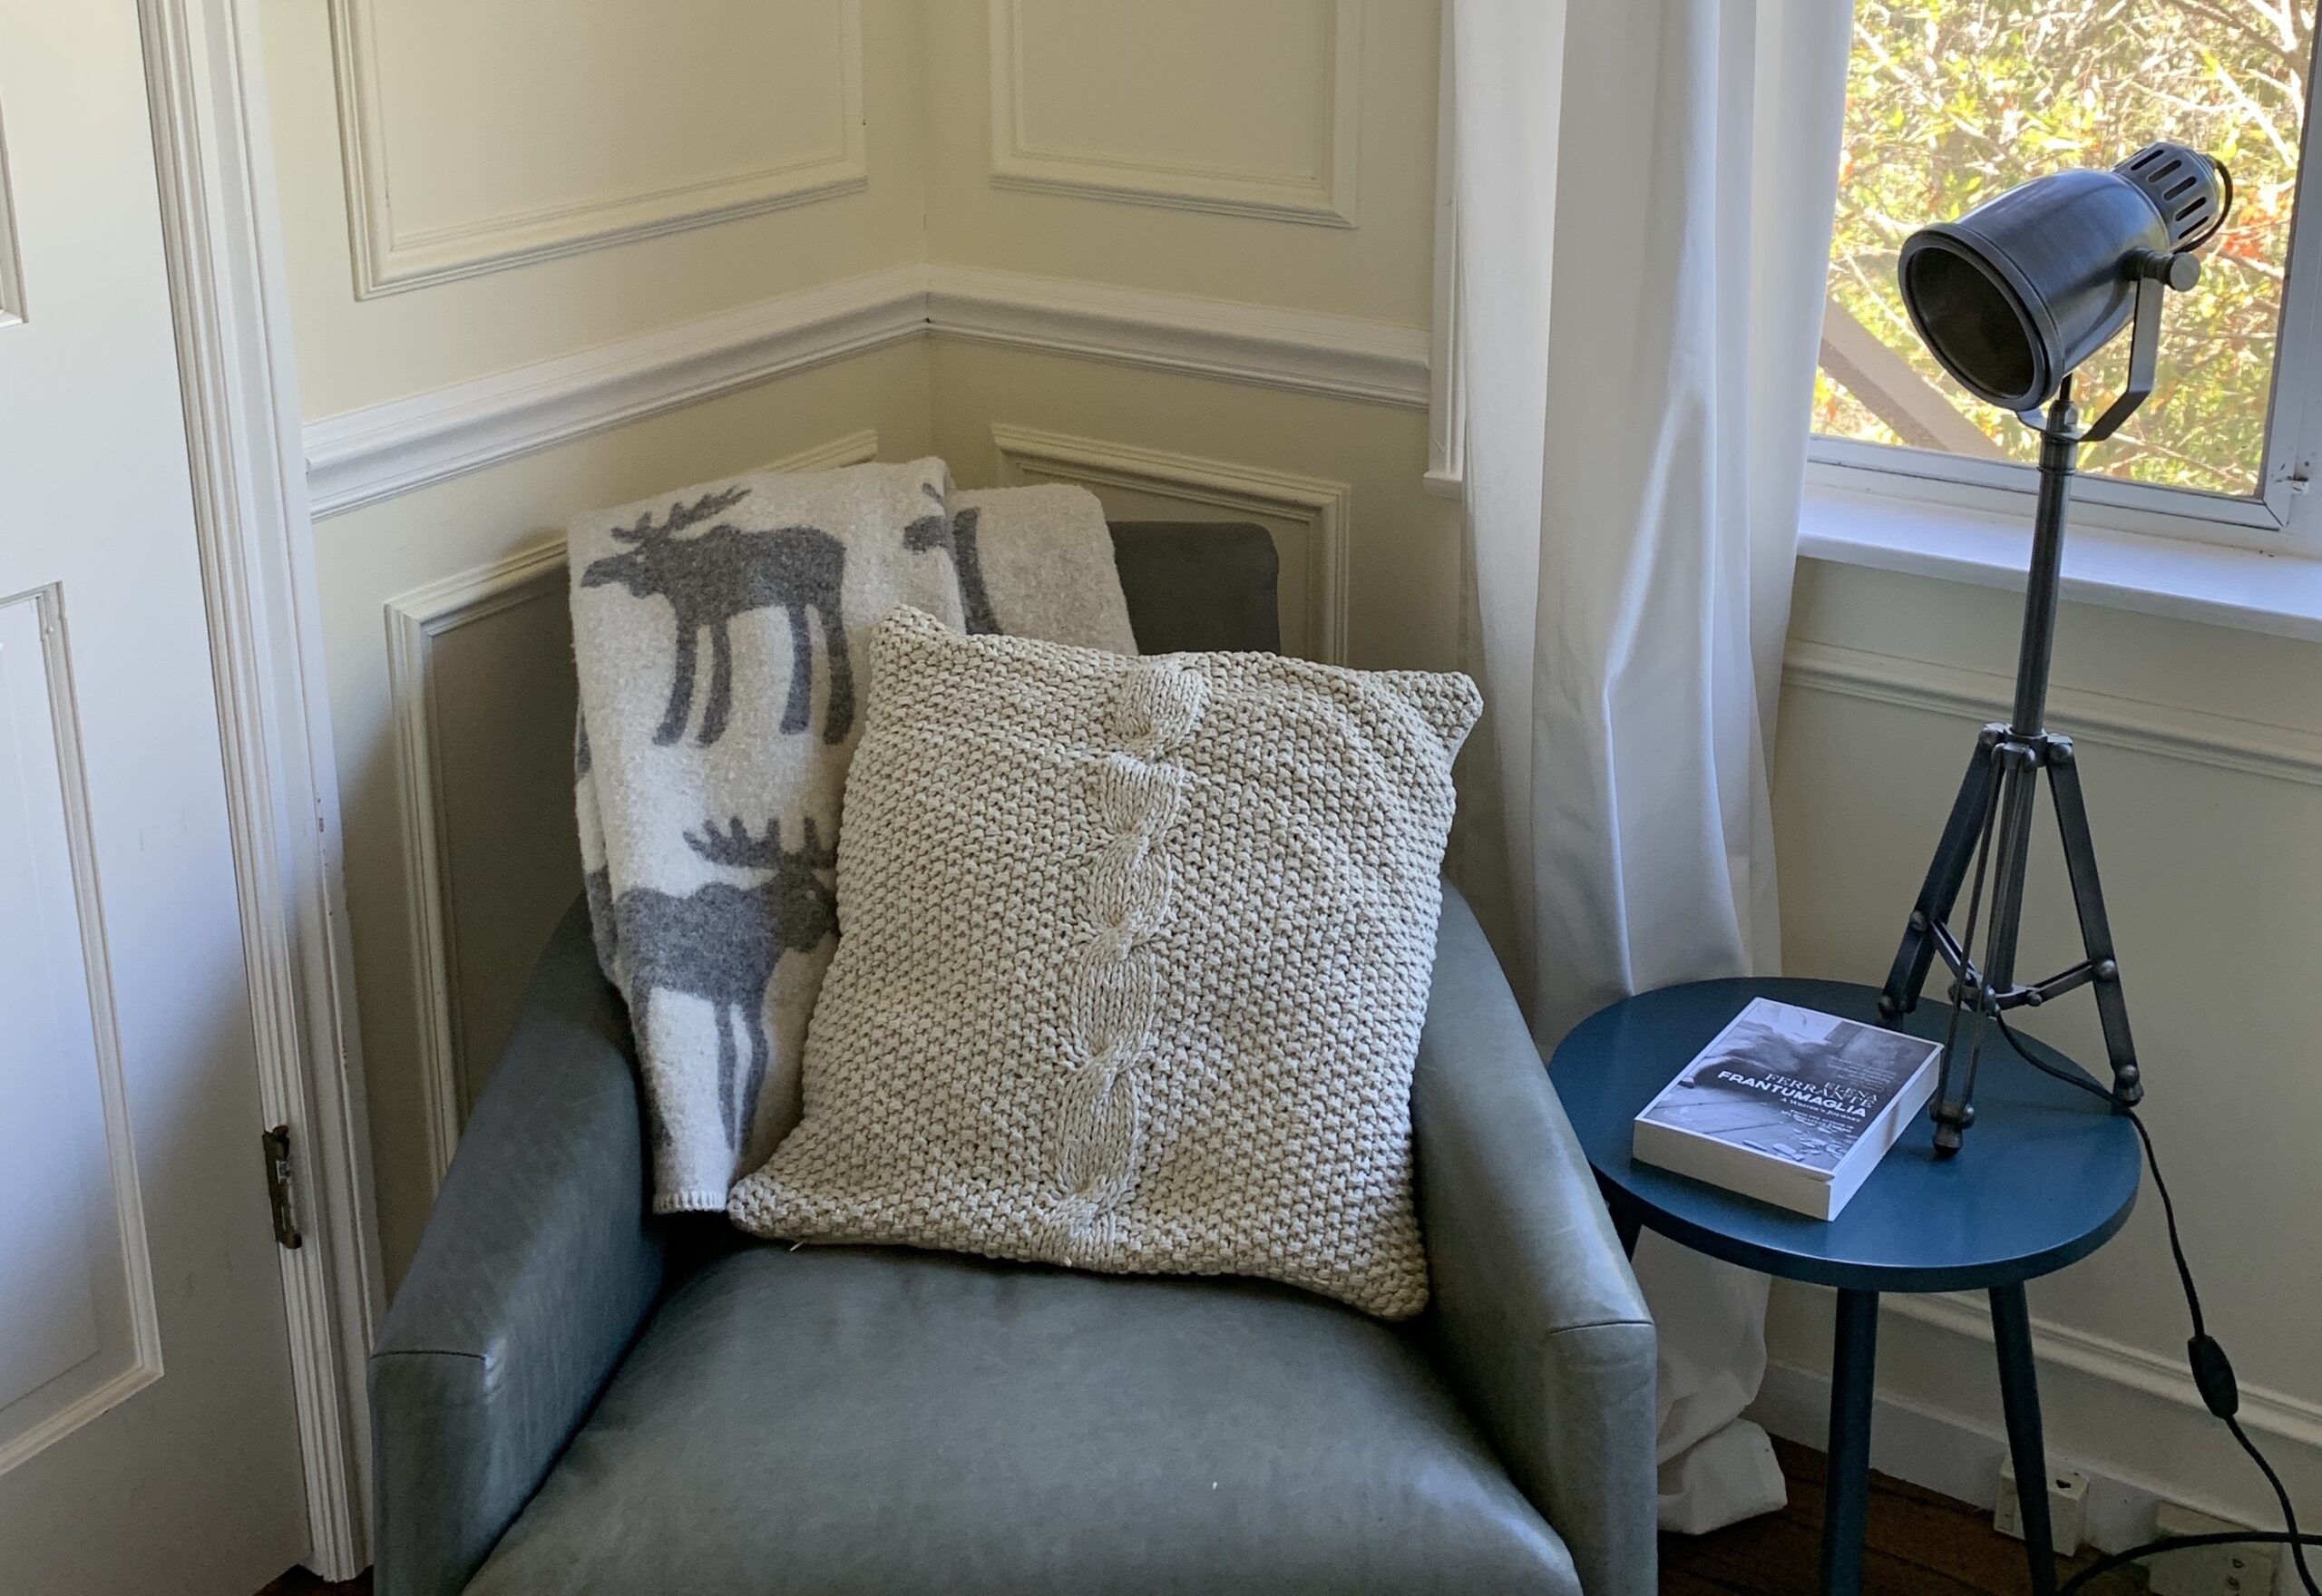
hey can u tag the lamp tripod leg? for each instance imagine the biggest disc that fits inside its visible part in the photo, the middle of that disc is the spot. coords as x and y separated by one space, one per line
1946 873
2011 819
2095 925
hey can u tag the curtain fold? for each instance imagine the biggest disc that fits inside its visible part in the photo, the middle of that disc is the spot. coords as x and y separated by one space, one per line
1645 192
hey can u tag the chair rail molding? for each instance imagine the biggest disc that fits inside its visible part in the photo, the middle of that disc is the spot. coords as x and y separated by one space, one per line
389 258
415 620
2196 736
231 309
1326 197
1324 508
375 454
1335 356
384 450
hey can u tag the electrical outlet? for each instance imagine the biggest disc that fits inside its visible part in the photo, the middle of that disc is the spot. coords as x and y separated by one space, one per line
2067 1508
2207 1570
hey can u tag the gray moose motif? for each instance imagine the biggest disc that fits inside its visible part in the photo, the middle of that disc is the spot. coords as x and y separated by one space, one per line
724 572
956 536
721 943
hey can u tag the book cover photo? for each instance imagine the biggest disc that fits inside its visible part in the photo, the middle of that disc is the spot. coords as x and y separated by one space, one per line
1789 1105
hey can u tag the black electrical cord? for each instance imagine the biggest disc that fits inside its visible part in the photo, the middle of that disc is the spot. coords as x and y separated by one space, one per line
2166 1544
2212 1372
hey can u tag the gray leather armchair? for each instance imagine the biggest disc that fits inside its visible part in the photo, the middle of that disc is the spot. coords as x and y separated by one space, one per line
569 1396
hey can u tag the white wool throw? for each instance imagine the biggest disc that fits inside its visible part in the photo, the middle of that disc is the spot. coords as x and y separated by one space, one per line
720 638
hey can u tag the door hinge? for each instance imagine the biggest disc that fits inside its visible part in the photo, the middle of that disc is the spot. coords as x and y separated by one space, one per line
280 1191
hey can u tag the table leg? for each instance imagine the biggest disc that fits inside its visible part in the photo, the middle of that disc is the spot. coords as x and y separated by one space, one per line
1847 1491
2020 1393
1625 1221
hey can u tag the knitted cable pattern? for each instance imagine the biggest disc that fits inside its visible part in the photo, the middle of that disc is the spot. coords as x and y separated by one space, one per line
1136 793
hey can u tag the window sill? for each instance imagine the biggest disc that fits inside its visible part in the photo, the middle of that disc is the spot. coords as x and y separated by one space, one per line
2247 589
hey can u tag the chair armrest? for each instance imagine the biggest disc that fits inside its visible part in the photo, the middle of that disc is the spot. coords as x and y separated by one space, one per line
538 1265
1539 1320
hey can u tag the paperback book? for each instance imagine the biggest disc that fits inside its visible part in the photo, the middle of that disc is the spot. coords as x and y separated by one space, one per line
1790 1106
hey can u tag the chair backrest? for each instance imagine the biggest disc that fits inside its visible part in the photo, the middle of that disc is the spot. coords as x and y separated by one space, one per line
1198 585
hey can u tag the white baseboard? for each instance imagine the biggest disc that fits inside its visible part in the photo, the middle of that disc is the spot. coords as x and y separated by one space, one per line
2091 1388
1942 1452
384 450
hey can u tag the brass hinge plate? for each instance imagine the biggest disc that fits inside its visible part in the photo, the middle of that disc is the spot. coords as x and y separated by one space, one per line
280 1192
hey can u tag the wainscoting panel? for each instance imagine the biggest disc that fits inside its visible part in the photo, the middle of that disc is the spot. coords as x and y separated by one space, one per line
480 678
518 600
1104 100
1310 517
626 121
78 1331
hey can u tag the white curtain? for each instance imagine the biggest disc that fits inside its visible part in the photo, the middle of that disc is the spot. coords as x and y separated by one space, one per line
1645 196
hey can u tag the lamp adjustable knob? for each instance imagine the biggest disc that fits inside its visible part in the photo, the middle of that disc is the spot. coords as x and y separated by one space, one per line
2180 269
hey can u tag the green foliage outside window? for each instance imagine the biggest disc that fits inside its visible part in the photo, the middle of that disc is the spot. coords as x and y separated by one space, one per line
1952 102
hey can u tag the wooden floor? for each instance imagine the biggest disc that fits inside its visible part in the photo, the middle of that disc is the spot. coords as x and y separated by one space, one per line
1920 1544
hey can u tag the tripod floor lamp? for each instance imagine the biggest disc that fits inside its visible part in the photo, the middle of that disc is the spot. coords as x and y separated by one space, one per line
2011 299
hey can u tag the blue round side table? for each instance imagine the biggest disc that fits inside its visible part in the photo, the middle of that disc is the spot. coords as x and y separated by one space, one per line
2046 1177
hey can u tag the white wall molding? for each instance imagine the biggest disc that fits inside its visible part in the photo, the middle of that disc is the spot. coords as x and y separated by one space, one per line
389 258
1323 509
1327 197
1336 356
1946 1451
415 620
1446 397
220 232
2276 1414
12 279
2197 736
384 450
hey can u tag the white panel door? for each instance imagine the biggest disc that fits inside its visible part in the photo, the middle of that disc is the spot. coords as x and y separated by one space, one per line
147 1434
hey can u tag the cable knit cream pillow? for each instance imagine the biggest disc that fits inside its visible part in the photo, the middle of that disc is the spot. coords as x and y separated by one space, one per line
1133 955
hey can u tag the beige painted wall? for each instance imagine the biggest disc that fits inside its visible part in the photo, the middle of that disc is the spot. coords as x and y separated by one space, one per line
1304 183
1201 101
2202 752
511 136
1400 548
1279 155
646 169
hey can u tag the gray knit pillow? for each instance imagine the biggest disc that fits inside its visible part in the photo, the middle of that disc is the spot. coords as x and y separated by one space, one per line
1134 958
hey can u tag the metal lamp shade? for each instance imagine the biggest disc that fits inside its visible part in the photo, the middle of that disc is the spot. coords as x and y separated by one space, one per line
2015 295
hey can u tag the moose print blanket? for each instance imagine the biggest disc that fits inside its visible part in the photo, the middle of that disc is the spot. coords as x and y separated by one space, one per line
718 633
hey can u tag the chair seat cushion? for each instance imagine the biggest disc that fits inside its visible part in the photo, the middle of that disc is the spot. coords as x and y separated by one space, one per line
832 1420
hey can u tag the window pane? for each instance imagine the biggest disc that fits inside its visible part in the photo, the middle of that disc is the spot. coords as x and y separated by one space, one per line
1951 102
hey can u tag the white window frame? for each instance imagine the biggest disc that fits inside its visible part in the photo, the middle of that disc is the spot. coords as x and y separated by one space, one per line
1848 480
